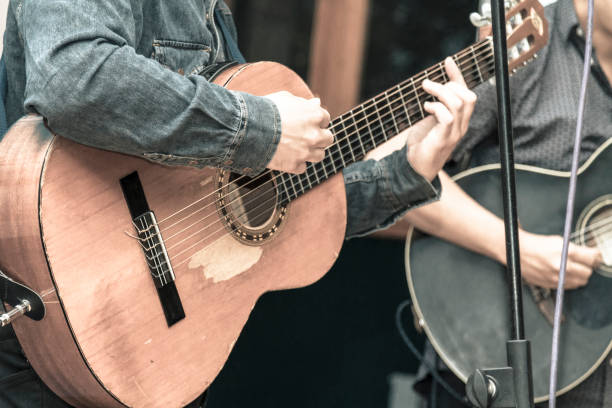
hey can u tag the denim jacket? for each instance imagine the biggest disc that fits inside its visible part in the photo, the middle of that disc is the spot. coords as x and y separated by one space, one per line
123 75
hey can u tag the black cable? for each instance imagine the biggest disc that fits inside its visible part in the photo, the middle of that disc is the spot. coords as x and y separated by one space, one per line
432 370
433 402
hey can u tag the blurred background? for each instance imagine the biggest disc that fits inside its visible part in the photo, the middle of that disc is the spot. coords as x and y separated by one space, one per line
335 344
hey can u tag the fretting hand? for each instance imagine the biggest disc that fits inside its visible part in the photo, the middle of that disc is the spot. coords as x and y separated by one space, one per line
304 136
432 142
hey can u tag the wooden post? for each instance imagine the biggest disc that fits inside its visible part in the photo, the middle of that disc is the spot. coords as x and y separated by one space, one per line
336 53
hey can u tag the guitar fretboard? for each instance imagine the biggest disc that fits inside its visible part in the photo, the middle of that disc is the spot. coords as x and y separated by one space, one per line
382 117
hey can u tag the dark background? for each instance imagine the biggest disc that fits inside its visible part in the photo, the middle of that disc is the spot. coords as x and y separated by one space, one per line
334 343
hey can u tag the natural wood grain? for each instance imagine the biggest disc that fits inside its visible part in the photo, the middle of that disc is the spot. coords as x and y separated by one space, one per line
49 344
100 275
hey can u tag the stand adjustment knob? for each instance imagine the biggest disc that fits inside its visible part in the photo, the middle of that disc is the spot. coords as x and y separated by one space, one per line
481 389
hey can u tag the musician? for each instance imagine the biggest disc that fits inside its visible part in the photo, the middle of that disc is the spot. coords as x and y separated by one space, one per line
124 76
544 98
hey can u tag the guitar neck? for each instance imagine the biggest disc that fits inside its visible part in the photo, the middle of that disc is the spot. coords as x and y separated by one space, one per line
382 117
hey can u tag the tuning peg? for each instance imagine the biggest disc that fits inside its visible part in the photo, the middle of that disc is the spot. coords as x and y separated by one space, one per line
535 56
484 17
479 20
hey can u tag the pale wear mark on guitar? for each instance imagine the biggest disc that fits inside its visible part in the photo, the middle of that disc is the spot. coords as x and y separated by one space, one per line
140 388
225 259
206 181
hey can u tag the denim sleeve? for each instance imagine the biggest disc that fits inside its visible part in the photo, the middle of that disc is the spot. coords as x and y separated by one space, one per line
85 77
378 193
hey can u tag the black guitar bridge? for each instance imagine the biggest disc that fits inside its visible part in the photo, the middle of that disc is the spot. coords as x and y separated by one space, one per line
153 248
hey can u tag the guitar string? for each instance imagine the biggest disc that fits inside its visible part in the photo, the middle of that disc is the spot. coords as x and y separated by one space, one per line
392 112
426 74
604 225
475 51
292 178
155 259
222 228
467 51
404 119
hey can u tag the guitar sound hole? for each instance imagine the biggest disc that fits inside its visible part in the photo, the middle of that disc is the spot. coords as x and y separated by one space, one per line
249 206
252 200
595 229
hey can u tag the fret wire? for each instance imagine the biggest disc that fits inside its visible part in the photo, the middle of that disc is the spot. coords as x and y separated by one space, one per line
286 187
476 63
340 150
290 177
307 174
416 94
379 119
445 79
463 54
392 115
417 98
348 141
391 110
483 47
380 126
334 168
299 180
426 96
364 152
329 151
292 185
284 183
352 135
314 170
403 102
338 139
374 144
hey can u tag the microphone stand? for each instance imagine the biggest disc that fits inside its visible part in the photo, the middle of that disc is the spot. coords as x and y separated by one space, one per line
510 386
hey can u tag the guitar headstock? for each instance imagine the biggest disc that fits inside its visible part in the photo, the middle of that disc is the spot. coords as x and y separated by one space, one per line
526 31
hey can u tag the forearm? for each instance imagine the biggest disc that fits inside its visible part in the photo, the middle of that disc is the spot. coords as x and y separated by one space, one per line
379 192
457 218
87 80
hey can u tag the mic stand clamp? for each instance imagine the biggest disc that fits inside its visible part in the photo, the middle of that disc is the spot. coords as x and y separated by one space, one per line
502 387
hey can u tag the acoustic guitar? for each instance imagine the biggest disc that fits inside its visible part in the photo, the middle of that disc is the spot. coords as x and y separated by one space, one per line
149 272
461 299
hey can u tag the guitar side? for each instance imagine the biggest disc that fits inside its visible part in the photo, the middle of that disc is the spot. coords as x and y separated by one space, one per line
462 298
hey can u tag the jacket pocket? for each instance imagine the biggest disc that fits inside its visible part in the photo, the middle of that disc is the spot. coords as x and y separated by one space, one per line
181 56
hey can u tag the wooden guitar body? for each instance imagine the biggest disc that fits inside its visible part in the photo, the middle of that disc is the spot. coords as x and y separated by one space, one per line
67 233
462 299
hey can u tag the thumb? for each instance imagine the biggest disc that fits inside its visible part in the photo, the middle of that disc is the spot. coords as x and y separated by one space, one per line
587 255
